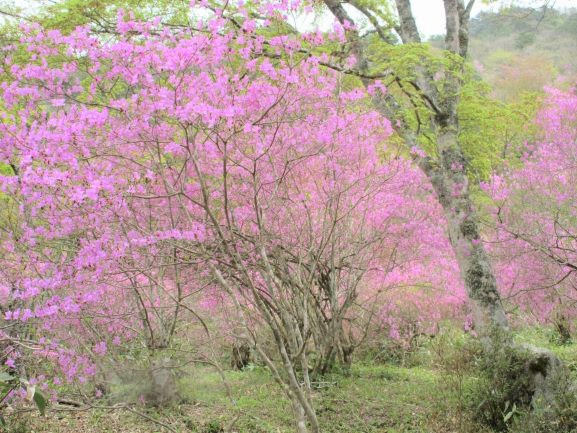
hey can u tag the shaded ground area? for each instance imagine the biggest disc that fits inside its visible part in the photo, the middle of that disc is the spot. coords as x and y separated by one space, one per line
427 395
370 399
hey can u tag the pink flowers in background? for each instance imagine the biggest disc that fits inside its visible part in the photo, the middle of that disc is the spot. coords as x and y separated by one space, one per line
100 348
535 241
123 201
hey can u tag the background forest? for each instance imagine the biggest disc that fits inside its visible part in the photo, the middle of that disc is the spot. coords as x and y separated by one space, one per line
280 216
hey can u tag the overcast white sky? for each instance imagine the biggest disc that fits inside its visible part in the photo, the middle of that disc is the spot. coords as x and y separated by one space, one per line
430 13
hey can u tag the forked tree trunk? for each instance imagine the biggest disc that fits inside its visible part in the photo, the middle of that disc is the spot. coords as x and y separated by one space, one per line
447 170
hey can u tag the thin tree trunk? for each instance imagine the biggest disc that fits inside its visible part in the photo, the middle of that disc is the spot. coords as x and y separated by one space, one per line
299 416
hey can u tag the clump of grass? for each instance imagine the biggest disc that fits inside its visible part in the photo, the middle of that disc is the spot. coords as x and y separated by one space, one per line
504 390
555 414
506 399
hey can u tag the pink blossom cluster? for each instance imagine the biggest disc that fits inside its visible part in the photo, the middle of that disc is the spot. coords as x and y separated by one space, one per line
136 160
534 241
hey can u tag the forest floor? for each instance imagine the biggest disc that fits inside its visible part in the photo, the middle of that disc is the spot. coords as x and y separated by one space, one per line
428 394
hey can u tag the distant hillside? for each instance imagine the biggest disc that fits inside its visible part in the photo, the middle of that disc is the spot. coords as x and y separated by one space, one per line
523 49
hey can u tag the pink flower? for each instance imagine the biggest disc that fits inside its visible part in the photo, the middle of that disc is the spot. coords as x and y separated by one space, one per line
100 348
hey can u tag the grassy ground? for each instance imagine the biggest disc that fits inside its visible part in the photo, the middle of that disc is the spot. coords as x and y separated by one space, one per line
368 399
371 399
428 395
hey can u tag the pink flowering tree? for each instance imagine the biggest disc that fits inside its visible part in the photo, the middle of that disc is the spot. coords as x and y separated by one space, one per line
165 164
168 169
91 262
535 236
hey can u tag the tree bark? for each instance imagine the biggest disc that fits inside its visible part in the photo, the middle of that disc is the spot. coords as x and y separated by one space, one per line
448 171
451 186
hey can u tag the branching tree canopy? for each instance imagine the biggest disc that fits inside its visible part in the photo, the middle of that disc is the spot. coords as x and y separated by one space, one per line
164 149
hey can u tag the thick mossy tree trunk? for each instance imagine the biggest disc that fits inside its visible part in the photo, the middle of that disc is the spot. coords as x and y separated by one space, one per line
451 185
446 166
447 169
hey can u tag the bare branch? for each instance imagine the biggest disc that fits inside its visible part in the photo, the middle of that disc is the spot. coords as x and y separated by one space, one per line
11 14
372 19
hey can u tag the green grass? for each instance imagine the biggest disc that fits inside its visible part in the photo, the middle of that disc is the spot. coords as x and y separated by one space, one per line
371 398
427 396
378 398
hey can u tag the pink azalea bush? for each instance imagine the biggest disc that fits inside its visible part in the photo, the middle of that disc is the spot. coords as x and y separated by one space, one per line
143 165
534 240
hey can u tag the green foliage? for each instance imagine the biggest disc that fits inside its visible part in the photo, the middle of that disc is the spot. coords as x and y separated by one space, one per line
504 390
16 425
394 399
213 426
555 415
6 170
101 15
40 402
518 20
523 49
8 383
524 40
488 388
441 392
503 397
454 353
493 133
